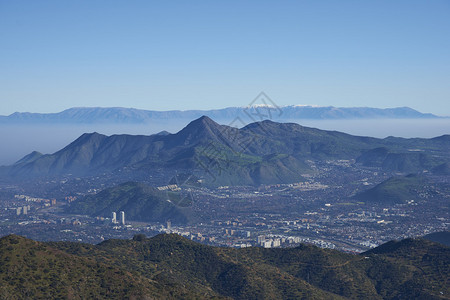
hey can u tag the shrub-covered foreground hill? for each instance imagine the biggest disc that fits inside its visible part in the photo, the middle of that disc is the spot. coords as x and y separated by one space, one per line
172 267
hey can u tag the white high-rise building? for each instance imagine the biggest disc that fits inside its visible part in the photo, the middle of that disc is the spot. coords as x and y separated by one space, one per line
276 243
122 217
113 218
261 238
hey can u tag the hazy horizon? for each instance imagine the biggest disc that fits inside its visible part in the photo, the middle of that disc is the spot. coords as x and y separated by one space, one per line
216 108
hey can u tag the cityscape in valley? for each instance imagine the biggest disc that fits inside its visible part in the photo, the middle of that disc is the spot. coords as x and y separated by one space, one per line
324 188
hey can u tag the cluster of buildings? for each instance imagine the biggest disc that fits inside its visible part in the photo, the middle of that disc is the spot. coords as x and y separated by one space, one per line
45 202
25 209
35 199
268 242
114 218
279 241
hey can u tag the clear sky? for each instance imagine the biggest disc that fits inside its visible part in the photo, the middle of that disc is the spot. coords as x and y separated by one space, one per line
163 55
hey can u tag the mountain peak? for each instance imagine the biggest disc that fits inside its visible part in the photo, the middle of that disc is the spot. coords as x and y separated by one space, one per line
203 124
162 133
29 158
90 136
203 127
203 120
87 140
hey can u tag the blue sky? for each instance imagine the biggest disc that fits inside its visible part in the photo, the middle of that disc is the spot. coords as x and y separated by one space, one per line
163 55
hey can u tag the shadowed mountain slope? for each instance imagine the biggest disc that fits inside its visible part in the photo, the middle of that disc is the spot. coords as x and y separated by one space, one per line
261 152
396 190
442 237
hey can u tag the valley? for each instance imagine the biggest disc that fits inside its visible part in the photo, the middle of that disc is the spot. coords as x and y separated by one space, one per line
320 210
267 184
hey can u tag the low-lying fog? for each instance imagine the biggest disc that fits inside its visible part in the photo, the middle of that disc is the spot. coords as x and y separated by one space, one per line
19 140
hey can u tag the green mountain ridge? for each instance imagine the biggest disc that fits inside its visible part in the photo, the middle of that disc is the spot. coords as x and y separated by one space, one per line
34 270
263 152
172 267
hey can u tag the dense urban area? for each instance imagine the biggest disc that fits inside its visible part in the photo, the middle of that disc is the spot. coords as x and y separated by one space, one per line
320 210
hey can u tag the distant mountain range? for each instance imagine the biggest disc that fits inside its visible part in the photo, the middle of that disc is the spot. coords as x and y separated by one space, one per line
234 115
260 153
172 267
